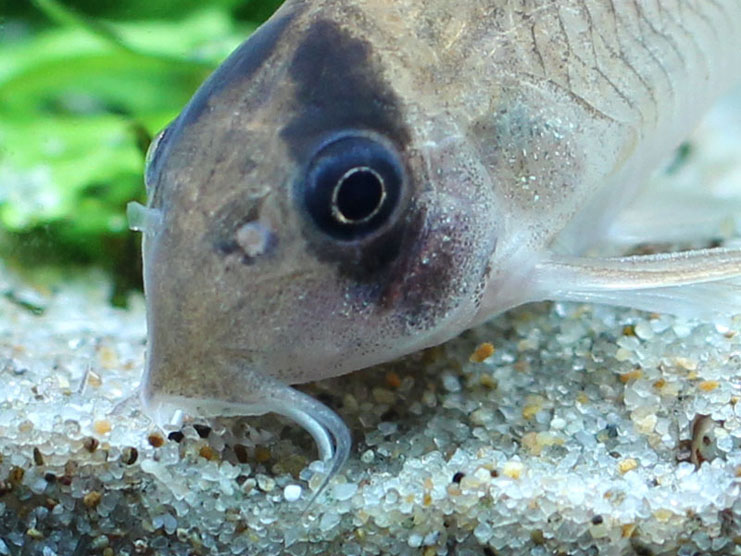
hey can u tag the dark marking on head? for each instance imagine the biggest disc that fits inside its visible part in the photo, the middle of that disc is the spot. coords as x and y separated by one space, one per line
379 267
425 270
421 281
339 88
365 262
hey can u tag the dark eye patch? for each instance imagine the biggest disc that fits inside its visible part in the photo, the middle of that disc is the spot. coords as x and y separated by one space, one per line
340 91
339 87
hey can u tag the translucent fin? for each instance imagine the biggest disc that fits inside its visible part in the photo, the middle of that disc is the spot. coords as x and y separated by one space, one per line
704 283
143 219
675 216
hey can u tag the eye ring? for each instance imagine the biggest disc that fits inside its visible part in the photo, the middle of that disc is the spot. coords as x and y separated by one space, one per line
350 180
352 187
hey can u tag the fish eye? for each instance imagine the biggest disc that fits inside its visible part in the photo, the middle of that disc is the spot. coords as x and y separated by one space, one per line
352 187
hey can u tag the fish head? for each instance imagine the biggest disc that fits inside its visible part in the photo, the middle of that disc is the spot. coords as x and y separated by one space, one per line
316 215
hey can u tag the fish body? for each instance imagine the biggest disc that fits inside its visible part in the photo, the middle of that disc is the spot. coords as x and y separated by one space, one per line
362 179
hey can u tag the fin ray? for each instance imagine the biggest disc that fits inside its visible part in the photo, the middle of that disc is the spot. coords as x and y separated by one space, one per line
704 283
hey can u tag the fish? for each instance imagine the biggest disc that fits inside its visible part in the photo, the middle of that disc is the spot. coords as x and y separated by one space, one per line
362 179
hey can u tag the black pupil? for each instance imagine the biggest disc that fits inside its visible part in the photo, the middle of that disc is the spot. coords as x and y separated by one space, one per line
359 195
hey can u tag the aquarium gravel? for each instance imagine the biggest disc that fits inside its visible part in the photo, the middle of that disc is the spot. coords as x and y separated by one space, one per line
555 428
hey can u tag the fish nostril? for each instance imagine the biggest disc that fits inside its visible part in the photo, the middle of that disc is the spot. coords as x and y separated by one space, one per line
358 195
253 238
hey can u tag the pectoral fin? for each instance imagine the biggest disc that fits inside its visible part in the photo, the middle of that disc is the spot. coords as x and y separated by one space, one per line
703 283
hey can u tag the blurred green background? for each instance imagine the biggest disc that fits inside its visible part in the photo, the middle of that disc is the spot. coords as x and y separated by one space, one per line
84 86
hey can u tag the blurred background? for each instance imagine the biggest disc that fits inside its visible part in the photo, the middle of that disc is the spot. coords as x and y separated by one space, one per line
84 86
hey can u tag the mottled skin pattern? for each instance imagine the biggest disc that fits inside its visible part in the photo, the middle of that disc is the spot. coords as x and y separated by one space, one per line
523 127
